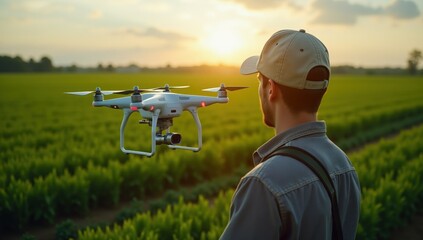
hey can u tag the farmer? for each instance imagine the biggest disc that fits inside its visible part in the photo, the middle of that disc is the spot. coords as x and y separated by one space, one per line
282 198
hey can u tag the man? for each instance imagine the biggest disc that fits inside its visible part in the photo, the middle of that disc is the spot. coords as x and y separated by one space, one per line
281 198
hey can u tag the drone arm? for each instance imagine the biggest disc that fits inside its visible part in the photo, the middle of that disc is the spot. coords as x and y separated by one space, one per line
194 112
126 114
201 101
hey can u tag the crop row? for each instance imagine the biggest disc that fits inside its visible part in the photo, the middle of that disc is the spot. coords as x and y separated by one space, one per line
391 181
391 178
202 220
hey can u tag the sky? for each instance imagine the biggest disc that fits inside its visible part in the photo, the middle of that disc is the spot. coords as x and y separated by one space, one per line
362 33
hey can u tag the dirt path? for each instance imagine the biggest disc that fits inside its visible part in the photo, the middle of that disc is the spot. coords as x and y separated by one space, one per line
95 216
412 231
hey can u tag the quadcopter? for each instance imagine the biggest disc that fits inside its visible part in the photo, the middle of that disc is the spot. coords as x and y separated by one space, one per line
158 107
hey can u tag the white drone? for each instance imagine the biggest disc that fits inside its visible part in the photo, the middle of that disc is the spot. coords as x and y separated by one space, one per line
158 107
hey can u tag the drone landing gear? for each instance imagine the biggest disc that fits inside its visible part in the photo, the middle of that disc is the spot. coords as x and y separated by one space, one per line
157 137
194 113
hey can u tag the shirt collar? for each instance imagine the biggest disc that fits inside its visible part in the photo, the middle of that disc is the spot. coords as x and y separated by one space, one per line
283 138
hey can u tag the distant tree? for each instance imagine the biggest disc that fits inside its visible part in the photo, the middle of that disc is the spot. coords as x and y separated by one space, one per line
12 64
72 68
17 64
5 63
32 65
100 67
110 68
45 65
413 61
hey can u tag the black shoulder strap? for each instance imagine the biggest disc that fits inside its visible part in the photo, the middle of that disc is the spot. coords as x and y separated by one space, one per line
316 166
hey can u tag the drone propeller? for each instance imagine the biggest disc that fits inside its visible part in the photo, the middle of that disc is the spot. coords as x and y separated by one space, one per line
135 90
166 87
223 88
97 91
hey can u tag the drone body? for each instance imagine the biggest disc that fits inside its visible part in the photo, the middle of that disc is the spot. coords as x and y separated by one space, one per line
158 108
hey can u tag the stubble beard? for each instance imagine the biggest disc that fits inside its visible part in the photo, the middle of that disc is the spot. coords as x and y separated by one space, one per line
267 116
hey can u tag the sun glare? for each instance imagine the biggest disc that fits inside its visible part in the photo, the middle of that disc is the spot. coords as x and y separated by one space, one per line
223 42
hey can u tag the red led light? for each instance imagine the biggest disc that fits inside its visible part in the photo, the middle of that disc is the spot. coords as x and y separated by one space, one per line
151 108
134 108
203 104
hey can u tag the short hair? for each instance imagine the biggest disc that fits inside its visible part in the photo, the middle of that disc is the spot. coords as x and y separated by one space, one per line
304 100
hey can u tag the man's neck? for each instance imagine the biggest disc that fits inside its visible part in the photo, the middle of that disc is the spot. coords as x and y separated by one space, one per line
287 120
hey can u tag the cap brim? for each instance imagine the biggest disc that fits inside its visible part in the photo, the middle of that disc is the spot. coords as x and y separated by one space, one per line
249 66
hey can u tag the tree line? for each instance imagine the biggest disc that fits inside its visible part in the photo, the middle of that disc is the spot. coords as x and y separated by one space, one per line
17 64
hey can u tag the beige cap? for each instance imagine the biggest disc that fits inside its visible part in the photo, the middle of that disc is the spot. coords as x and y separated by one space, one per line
287 57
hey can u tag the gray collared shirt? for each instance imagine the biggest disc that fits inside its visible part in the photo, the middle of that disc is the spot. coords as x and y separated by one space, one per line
282 199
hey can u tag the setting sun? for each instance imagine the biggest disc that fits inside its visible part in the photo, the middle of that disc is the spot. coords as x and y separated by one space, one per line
222 42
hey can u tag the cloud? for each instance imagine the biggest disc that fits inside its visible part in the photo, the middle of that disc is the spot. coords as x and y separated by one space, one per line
346 13
401 9
342 12
159 34
337 12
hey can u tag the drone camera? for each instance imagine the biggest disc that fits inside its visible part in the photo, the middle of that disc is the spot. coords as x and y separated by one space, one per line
168 139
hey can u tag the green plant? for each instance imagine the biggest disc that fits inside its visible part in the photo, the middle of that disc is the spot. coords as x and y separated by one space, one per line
66 230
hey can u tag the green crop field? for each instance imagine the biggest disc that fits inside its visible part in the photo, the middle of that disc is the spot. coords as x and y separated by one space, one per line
60 157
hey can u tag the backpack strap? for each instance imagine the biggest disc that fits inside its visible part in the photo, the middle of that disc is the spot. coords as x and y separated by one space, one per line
317 167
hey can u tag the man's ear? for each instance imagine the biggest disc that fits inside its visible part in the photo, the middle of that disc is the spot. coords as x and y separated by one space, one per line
273 90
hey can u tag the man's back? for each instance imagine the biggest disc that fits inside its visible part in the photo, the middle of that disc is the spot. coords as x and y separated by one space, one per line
285 185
